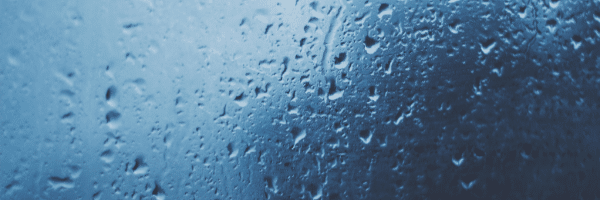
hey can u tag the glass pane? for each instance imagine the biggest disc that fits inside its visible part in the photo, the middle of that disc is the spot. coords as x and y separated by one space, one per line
331 99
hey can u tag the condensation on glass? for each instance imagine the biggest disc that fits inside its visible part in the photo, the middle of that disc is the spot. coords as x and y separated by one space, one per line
332 99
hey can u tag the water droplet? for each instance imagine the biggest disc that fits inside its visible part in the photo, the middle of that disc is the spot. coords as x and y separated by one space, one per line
233 152
61 183
371 45
551 25
576 41
554 3
271 183
240 100
112 116
111 92
487 46
249 150
522 12
365 136
468 185
298 134
458 162
336 95
140 168
340 61
107 156
158 192
384 9
373 93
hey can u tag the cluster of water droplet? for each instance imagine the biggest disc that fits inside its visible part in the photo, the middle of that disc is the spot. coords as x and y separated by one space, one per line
332 99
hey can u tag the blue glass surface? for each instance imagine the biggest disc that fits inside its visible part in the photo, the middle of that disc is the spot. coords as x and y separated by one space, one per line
297 99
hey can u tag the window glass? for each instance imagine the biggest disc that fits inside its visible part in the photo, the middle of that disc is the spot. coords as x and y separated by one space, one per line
299 99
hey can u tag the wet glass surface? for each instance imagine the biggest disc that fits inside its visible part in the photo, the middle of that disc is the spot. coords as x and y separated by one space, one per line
331 99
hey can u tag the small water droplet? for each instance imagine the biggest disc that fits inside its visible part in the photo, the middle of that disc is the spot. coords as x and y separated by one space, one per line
458 162
365 136
298 134
384 9
371 45
487 46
